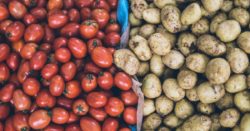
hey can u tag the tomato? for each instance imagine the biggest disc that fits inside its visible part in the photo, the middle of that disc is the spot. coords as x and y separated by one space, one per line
6 92
89 29
46 47
68 4
57 85
30 3
90 67
110 124
101 16
48 34
13 79
112 27
17 9
28 50
8 126
4 72
57 20
89 83
74 15
79 64
39 12
129 98
99 114
4 24
5 51
129 115
62 55
54 4
114 107
13 61
124 129
23 71
49 71
73 117
31 86
15 31
4 111
59 115
70 29
21 101
80 107
112 39
72 89
108 93
100 35
73 127
123 81
68 71
113 69
1 126
89 124
20 121
92 43
111 50
105 80
113 3
53 127
38 60
60 42
17 45
77 47
83 3
39 119
101 4
96 99
102 57
64 102
85 13
29 19
34 33
4 13
45 100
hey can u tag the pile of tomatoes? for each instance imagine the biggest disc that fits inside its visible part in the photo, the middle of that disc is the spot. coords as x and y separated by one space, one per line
56 67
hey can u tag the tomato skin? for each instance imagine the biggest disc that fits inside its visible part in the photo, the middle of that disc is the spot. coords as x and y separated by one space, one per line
57 85
70 29
113 3
72 89
49 71
89 29
28 50
101 4
67 4
4 24
5 51
8 126
110 124
38 60
99 114
68 71
89 124
113 69
105 80
21 101
4 111
77 47
112 39
29 19
46 47
64 102
57 20
73 117
54 127
92 43
23 71
123 81
113 16
17 9
15 31
13 61
85 13
4 72
129 115
20 121
83 3
39 119
112 27
114 107
96 99
54 4
4 13
6 92
74 15
101 16
34 33
73 127
39 12
31 86
48 34
45 100
89 83
100 35
129 98
1 126
60 42
90 67
102 57
80 107
59 115
62 55
124 129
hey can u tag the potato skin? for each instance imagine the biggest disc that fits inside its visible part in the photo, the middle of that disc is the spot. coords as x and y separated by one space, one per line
205 108
227 101
159 44
200 27
163 105
229 118
137 7
151 15
174 59
244 41
161 3
191 14
133 20
227 5
151 86
149 107
212 5
245 122
197 62
156 65
236 83
183 109
147 30
172 120
242 101
171 37
242 3
186 43
241 15
238 60
216 21
187 79
228 30
197 123
172 90
215 123
134 31
163 129
143 69
192 95
152 121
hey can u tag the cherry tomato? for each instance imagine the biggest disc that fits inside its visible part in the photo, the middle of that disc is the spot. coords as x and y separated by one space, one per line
112 27
64 102
101 4
83 3
29 19
70 29
57 20
39 119
45 100
13 79
105 80
96 99
124 129
99 114
59 115
73 117
85 13
38 60
73 127
129 115
113 3
92 43
114 107
102 57
54 127
57 85
4 111
28 50
48 34
18 45
80 107
8 126
5 51
17 9
129 98
89 124
13 61
68 4
100 35
46 47
21 101
62 55
15 31
112 39
4 72
68 71
6 92
72 89
4 24
89 29
123 81
77 47
90 67
34 33
23 71
89 83
39 12
20 121
54 4
101 16
74 15
60 42
4 13
110 124
31 86
49 71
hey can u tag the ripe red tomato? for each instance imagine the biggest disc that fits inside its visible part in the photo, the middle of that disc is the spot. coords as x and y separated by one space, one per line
4 111
92 43
123 81
39 12
73 127
113 3
101 4
4 72
15 31
38 60
23 71
102 57
53 127
49 71
1 126
39 119
34 33
70 29
89 124
46 47
4 13
60 42
96 99
89 29
21 101
99 114
110 124
89 82
73 117
29 19
101 16
68 71
57 85
20 121
85 13
54 4
124 129
83 3
64 102
112 27
17 9
74 15
105 80
59 115
5 51
100 35
49 36
28 50
31 86
129 98
57 19
90 67
77 47
45 100
112 39
114 107
62 55
6 92
13 61
129 115
80 107
72 89
8 126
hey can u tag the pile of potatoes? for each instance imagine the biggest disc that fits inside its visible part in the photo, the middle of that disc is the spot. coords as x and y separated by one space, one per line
192 59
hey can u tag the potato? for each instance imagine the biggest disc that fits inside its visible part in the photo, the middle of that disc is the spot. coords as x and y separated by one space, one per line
242 101
241 15
245 122
151 15
227 5
206 13
151 5
244 41
236 83
218 71
137 7
171 37
248 81
183 109
191 14
170 18
228 30
210 45
209 93
152 121
163 129
215 123
134 31
163 105
197 123
192 95
206 109
212 5
197 62
172 90
161 3
187 79
159 44
156 65
143 69
151 86
216 21
236 128
186 43
229 118
133 20
200 27
127 61
148 107
238 60
242 3
139 46
172 121
174 59
225 102
146 30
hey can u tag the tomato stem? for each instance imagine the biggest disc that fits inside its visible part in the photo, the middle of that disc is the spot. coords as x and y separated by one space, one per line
101 73
24 129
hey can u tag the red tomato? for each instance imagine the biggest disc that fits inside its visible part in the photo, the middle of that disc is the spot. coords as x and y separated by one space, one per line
102 57
92 43
77 47
72 89
46 47
49 71
89 124
64 102
96 99
112 39
105 80
70 29
5 51
30 3
45 100
100 35
38 60
15 31
60 115
123 81
124 129
4 111
113 69
57 85
129 115
57 20
6 92
4 72
39 119
1 126
74 15
73 127
89 29
28 50
73 117
8 126
80 107
39 12
60 42
110 124
89 83
111 50
83 3
53 127
90 67
68 71
113 16
49 36
113 3
34 33
114 107
68 4
129 98
101 16
29 19
4 13
62 55
4 24
112 27
101 4
23 71
21 101
20 121
31 86
17 45
13 61
54 4
99 114
85 13
17 9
